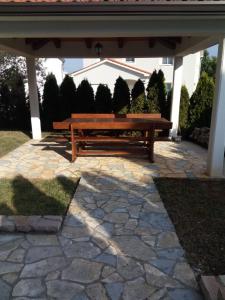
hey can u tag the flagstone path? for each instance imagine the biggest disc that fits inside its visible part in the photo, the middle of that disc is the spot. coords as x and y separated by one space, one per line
117 241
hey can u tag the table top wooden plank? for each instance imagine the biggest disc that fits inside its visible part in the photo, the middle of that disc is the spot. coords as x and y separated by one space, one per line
116 123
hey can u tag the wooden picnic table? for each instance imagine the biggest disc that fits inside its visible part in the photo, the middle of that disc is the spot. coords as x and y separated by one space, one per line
147 125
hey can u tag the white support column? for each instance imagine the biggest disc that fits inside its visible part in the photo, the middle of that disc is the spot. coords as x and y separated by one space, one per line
33 97
215 163
177 83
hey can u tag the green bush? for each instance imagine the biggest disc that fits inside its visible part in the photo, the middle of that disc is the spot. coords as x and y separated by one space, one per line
201 103
153 80
162 93
85 98
50 104
103 99
156 93
184 108
121 97
67 97
138 97
151 105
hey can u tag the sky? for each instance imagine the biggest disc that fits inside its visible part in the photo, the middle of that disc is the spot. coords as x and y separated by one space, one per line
72 65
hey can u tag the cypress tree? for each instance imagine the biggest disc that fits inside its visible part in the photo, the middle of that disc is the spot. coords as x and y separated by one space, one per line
121 97
201 102
161 93
138 97
151 105
50 104
103 99
156 92
67 93
152 80
184 107
85 97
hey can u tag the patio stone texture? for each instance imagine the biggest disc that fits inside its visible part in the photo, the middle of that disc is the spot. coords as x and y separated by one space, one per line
117 241
30 223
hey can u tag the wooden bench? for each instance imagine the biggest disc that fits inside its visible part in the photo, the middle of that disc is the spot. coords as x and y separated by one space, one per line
82 124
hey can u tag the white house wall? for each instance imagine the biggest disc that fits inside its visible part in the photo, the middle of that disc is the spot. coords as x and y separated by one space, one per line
106 74
191 68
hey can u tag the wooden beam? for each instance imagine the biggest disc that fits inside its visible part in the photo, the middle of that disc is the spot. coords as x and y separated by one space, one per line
36 44
151 42
168 43
120 43
57 43
88 43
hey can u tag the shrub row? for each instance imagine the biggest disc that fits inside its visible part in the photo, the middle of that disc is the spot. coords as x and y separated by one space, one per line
59 102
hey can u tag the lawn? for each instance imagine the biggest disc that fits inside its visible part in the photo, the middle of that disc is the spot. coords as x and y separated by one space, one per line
197 209
10 140
20 196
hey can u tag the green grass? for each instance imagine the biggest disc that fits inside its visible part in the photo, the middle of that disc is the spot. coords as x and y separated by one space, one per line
197 210
10 140
20 196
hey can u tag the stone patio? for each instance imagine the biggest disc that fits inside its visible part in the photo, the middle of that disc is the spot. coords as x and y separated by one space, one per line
117 241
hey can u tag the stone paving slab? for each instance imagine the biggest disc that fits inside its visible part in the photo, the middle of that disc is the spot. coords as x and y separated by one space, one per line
46 223
117 241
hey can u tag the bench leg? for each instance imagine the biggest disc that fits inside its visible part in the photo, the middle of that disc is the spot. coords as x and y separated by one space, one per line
151 145
74 147
74 152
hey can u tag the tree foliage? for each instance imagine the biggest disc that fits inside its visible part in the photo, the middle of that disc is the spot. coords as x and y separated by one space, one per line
156 93
67 98
121 97
138 97
201 102
208 64
152 80
151 105
184 108
85 98
21 108
11 65
50 104
103 99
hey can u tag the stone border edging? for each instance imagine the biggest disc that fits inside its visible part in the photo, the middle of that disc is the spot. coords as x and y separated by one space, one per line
213 287
47 223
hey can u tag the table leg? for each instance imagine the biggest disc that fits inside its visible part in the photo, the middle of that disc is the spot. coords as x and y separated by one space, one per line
74 146
151 134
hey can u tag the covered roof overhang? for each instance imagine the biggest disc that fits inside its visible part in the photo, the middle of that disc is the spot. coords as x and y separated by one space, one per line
63 28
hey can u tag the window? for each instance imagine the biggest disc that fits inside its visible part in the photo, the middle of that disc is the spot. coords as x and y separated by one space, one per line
167 61
130 59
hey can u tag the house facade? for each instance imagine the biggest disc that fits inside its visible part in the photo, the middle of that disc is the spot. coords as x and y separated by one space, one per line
106 71
133 68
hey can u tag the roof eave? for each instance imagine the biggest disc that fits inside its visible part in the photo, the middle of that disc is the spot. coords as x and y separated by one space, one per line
71 8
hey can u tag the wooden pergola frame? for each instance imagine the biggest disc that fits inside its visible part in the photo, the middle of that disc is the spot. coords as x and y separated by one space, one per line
126 29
